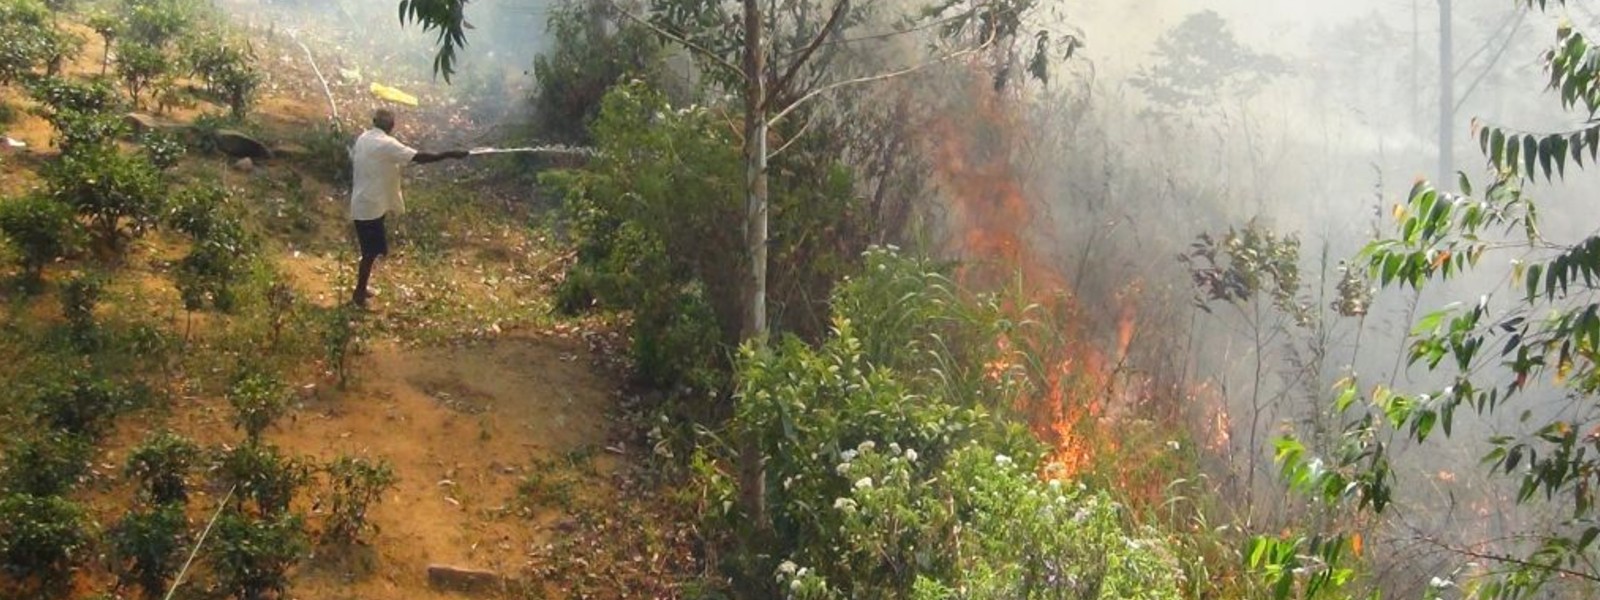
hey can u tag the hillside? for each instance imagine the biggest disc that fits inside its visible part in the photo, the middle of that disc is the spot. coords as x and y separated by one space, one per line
501 423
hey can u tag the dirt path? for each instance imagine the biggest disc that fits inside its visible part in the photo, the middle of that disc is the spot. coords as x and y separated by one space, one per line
463 427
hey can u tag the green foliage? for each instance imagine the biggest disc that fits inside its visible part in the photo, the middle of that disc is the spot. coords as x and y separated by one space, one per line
221 252
162 464
41 229
83 403
79 297
258 401
1244 265
30 40
226 67
42 536
328 152
148 547
47 463
60 95
594 49
889 475
667 247
357 484
162 148
120 194
139 65
265 478
341 329
1487 352
253 556
155 24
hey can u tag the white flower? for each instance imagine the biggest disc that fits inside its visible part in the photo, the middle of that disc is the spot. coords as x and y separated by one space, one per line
1002 460
794 586
787 567
1173 445
911 455
844 504
848 455
865 483
1055 485
894 448
866 446
843 469
1440 583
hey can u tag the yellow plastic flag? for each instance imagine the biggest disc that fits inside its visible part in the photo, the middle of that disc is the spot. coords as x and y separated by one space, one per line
392 95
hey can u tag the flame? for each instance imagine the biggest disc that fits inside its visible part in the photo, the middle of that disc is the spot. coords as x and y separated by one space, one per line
994 222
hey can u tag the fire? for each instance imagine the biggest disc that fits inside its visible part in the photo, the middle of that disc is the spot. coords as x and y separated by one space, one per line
993 221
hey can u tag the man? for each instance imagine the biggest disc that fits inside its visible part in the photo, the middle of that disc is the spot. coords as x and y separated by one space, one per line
376 160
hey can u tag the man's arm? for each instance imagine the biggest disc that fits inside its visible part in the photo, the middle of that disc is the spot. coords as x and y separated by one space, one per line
423 158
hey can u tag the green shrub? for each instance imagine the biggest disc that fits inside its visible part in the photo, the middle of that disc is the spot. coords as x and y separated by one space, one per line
156 23
222 250
79 297
109 27
226 67
87 133
162 148
340 331
48 463
83 403
59 95
148 547
41 229
29 40
162 464
42 536
264 477
139 65
253 556
357 484
258 401
119 194
327 153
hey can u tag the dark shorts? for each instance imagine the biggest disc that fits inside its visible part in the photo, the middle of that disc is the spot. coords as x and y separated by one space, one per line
370 234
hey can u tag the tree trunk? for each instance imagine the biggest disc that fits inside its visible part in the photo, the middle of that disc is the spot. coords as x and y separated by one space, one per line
1447 100
752 469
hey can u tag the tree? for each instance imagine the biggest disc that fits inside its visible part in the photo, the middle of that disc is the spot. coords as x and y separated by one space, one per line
735 52
1492 351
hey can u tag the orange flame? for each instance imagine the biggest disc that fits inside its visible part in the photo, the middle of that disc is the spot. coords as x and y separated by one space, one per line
993 220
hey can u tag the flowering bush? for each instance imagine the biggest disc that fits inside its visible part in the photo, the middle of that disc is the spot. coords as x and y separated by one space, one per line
889 475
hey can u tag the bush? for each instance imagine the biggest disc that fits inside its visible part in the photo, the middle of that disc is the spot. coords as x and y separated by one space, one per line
29 40
87 133
162 464
263 476
221 252
41 229
162 148
258 401
46 464
156 23
139 65
357 484
83 404
889 474
61 95
148 547
42 536
328 152
119 194
341 329
253 556
79 297
226 68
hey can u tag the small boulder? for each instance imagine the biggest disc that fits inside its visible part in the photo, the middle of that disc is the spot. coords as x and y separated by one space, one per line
244 165
459 579
139 122
239 145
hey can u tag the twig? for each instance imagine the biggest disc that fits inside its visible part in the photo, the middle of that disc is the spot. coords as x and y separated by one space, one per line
332 106
177 581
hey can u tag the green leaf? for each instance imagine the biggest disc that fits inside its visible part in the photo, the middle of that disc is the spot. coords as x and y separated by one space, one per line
1466 184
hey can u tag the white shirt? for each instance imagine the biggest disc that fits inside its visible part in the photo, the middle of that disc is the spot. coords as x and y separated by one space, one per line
376 160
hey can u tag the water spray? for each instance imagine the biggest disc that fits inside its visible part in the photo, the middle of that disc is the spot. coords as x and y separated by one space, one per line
554 149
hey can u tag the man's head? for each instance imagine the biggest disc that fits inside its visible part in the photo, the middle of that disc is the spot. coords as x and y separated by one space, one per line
383 118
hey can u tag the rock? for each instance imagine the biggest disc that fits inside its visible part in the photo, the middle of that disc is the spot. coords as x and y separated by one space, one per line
463 580
139 122
244 165
239 145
